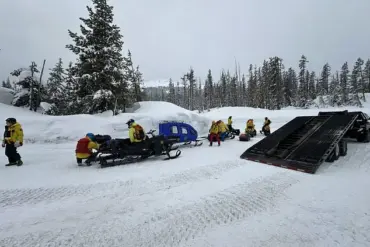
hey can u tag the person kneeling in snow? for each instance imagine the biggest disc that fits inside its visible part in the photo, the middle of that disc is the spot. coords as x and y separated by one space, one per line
222 129
214 133
84 149
13 139
136 132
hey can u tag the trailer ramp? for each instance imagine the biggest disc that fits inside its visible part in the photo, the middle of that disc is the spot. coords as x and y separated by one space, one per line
303 144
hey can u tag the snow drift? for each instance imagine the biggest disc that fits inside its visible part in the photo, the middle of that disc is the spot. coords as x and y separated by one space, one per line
6 95
44 128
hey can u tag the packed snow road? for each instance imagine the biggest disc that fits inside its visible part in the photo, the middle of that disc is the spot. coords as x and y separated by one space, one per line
208 197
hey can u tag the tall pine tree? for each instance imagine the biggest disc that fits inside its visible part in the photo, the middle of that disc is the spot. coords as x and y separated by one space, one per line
99 68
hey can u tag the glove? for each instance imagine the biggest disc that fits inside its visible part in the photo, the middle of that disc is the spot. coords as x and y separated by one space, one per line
17 144
3 144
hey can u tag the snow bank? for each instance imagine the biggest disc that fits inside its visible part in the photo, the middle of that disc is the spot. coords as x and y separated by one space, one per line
278 117
6 95
56 129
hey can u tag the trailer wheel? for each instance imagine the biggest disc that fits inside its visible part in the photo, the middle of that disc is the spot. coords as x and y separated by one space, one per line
365 137
343 148
334 155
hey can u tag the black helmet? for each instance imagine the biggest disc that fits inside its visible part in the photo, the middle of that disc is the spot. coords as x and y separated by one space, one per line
129 122
230 117
11 120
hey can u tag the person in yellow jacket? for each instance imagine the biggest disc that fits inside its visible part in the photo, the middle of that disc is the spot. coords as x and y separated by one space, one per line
250 128
13 139
230 123
214 133
222 129
84 149
136 132
266 127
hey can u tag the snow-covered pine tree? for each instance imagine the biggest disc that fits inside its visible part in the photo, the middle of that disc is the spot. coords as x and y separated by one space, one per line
192 88
7 84
133 79
30 93
334 90
99 68
290 87
344 84
355 86
243 91
276 84
366 74
233 91
55 89
252 88
185 93
311 86
264 85
171 96
323 85
223 89
303 83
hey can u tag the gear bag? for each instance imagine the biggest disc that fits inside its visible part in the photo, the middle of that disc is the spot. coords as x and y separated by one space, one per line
139 132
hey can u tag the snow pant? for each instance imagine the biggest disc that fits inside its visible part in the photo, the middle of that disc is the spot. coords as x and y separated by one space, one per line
213 136
12 153
88 160
223 136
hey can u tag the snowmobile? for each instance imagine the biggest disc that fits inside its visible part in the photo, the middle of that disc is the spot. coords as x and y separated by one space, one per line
184 133
117 152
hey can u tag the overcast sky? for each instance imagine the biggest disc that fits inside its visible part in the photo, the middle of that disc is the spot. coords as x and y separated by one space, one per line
166 37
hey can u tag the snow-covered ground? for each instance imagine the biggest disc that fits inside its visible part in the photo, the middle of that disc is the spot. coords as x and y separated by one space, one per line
206 197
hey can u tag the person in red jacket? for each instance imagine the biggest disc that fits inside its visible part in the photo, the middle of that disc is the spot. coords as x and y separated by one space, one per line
84 149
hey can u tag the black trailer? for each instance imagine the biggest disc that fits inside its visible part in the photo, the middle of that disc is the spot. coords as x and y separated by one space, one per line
305 142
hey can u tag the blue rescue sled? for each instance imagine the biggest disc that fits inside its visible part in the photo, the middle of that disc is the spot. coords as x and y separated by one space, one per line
183 132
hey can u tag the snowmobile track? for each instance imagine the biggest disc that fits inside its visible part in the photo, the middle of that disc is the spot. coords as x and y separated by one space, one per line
19 197
170 227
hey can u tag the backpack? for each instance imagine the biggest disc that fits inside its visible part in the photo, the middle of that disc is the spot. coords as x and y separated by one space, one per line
139 132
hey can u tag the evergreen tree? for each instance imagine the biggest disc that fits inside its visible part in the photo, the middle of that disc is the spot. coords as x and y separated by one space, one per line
252 88
344 79
208 91
171 97
311 86
31 89
303 83
55 88
99 70
356 83
7 84
334 90
366 75
276 84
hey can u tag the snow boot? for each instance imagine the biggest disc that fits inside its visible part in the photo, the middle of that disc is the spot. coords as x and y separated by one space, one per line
19 162
11 164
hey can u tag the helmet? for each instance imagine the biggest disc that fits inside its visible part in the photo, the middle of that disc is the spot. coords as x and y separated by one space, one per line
265 118
230 117
91 136
11 120
213 122
129 122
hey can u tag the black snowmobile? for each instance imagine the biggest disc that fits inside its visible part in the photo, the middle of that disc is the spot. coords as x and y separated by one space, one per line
117 152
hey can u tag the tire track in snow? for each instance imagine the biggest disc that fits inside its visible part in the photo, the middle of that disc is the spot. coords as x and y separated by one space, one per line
170 227
18 197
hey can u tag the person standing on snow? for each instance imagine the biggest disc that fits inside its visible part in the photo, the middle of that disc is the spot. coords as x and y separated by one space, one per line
214 133
13 139
84 149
